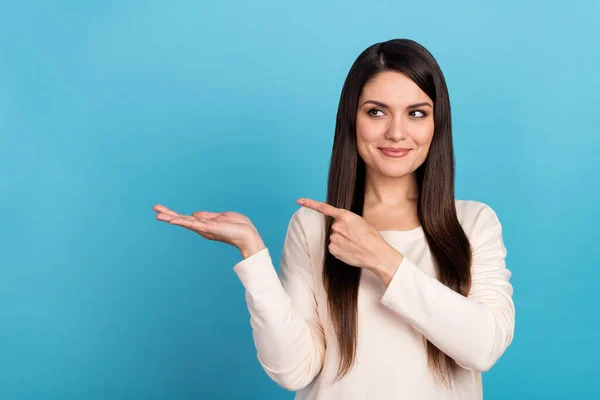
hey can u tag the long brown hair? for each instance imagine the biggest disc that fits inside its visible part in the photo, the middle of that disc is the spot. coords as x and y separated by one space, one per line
435 179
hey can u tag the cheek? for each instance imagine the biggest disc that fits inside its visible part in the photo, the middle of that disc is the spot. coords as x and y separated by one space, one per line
366 134
423 140
366 130
423 135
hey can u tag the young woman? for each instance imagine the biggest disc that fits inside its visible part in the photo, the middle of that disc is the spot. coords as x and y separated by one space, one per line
392 288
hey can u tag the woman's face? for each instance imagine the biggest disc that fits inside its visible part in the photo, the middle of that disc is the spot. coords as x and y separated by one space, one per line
393 112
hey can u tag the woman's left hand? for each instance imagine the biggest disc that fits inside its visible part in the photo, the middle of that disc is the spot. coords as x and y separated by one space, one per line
355 241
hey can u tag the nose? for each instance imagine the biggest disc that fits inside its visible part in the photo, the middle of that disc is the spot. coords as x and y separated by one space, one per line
397 129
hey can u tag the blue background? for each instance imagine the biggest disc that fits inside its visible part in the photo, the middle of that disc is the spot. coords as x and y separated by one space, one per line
110 107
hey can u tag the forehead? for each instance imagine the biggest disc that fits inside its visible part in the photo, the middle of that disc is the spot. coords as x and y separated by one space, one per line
393 88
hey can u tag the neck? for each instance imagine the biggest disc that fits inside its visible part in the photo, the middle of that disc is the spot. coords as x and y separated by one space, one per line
381 190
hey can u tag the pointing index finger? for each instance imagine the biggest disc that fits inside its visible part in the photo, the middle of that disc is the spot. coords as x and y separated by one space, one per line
321 207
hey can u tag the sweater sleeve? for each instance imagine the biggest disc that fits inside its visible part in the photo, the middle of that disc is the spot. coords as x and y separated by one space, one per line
474 330
288 336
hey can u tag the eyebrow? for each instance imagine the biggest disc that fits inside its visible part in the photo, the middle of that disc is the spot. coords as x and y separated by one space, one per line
380 104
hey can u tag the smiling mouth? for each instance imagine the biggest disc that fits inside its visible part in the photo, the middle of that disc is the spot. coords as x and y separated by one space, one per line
395 153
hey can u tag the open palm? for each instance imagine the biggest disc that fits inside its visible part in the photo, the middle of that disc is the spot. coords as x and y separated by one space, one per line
228 227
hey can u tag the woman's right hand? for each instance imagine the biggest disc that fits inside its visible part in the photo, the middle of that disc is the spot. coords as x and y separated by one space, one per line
227 227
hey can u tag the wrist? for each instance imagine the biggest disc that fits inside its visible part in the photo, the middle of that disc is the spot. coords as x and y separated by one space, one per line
387 265
252 247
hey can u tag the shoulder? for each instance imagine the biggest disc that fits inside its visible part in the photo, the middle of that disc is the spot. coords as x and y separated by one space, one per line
472 210
309 221
475 215
307 227
479 221
307 217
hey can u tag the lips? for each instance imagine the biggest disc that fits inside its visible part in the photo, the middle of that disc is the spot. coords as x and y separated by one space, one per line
394 149
394 152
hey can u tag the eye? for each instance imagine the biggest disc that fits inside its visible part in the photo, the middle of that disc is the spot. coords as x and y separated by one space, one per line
418 114
374 109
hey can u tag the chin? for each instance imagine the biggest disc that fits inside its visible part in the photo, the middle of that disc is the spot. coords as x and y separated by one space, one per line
395 172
